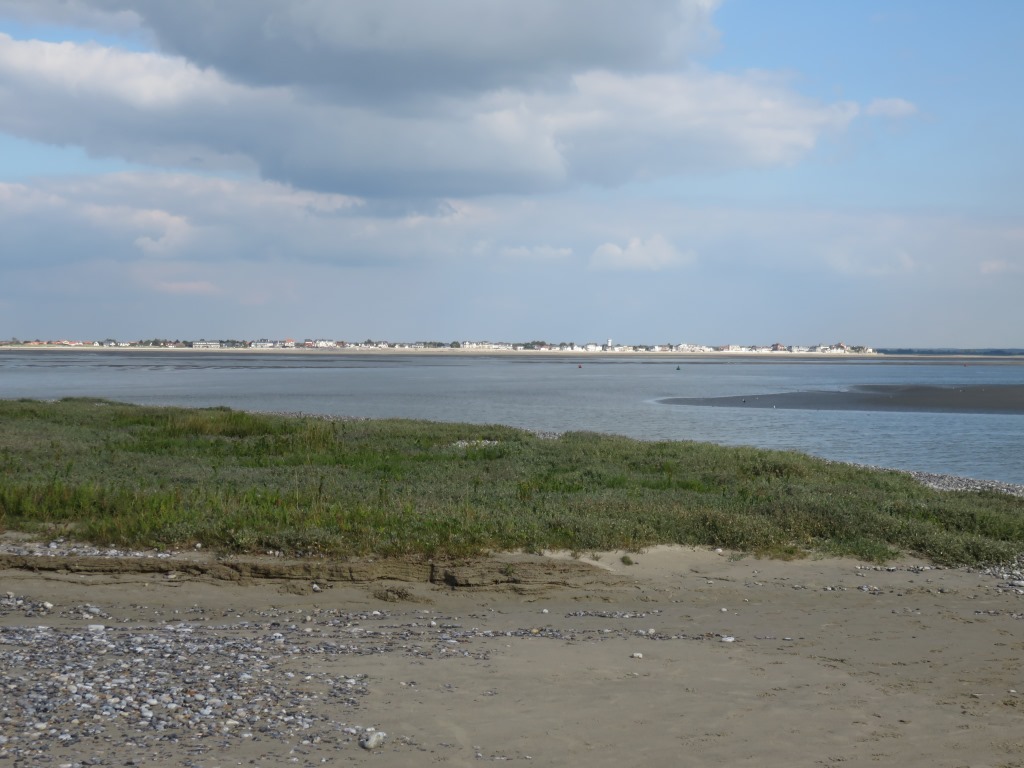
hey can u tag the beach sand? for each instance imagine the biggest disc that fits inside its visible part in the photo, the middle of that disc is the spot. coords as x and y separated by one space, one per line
686 657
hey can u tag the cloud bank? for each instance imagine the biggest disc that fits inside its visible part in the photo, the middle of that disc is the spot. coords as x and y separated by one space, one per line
404 99
501 169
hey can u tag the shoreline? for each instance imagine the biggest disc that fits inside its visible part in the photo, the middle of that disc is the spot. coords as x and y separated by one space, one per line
732 659
953 483
674 356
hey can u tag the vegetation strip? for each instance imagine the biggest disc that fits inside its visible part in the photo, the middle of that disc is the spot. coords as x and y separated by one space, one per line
134 476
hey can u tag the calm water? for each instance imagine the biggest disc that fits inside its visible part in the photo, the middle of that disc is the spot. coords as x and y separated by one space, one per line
614 395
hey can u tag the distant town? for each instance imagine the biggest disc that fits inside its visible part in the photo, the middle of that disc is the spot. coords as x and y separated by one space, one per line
463 346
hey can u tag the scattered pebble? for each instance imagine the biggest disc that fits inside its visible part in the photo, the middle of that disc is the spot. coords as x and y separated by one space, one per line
372 740
956 483
174 682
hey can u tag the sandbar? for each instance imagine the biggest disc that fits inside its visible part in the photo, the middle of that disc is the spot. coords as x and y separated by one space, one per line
1006 399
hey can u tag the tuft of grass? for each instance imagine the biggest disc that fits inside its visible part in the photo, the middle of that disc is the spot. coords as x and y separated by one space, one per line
134 476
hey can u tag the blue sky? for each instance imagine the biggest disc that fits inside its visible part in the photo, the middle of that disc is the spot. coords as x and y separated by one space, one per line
668 171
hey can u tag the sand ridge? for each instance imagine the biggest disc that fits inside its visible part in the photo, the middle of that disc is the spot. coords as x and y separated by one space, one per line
989 398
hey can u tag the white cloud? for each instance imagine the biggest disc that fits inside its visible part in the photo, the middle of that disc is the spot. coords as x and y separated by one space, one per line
259 257
73 13
536 252
653 254
172 233
616 128
893 108
1000 267
377 50
167 218
594 115
185 287
860 261
131 216
142 80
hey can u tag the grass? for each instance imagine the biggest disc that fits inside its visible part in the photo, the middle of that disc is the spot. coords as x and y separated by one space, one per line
133 476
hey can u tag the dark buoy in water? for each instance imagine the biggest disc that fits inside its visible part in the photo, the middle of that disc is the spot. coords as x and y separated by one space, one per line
677 367
580 365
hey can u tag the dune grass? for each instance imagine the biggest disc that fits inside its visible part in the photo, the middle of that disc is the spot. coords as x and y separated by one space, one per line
133 476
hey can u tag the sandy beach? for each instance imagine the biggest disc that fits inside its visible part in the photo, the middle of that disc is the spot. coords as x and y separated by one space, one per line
686 656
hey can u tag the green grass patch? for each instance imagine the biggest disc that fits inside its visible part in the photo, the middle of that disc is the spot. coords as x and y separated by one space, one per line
133 476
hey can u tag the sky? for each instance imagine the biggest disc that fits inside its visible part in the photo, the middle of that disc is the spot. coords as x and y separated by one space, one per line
659 171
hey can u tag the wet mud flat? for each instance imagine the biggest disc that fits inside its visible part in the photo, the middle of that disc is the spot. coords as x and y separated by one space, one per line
1005 399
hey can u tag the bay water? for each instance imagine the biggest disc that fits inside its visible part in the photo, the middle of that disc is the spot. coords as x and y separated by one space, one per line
611 394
